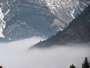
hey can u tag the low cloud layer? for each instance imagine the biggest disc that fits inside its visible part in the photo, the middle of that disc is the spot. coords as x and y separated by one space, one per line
17 55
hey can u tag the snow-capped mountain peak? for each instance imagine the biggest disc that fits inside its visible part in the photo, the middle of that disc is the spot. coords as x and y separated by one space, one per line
27 18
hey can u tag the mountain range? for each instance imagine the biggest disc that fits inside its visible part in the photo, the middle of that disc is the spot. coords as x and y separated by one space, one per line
43 18
78 32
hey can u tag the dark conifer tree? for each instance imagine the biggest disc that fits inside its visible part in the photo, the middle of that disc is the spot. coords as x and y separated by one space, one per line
86 63
0 66
72 66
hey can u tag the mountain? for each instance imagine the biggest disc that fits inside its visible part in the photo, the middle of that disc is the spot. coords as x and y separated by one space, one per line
25 20
77 32
43 18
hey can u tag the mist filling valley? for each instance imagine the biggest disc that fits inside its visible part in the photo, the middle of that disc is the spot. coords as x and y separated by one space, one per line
33 33
17 55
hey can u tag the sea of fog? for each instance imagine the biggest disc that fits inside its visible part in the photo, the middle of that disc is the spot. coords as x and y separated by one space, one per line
18 55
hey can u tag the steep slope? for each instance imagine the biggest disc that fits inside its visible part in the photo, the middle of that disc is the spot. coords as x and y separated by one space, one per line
27 18
77 32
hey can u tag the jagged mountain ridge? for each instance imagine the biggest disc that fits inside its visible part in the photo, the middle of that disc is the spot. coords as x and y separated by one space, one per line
27 18
77 32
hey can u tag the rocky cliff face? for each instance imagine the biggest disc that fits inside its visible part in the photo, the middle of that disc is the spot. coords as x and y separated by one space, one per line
77 32
27 18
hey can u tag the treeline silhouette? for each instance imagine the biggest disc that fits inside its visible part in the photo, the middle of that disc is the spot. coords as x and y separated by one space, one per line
85 64
0 66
